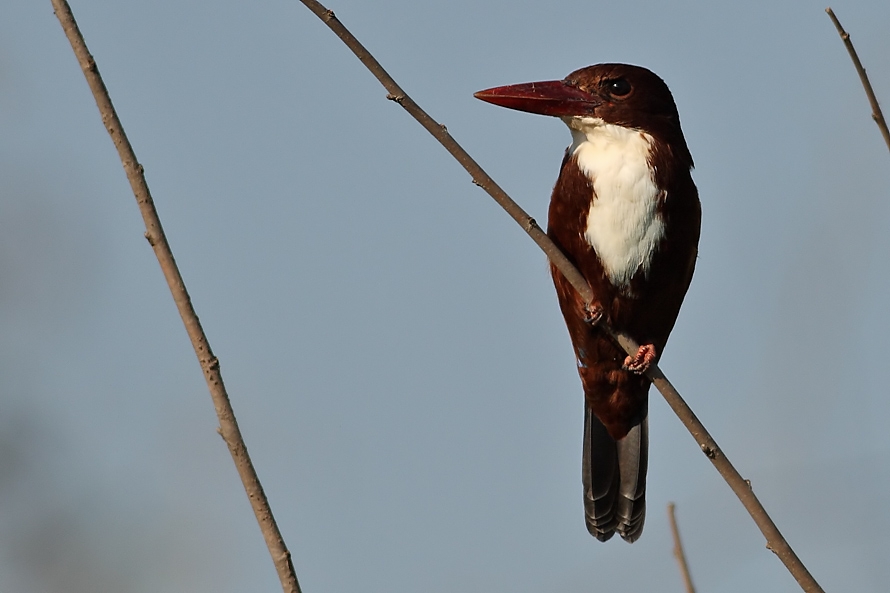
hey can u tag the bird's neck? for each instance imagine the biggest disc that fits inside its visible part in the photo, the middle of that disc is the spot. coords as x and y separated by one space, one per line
601 148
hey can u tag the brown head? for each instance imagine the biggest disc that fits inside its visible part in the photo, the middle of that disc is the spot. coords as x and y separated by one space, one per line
620 94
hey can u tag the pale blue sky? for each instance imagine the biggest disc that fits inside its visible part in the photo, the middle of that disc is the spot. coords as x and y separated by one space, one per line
390 339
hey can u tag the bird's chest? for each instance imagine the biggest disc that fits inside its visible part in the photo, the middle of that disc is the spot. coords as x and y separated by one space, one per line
621 221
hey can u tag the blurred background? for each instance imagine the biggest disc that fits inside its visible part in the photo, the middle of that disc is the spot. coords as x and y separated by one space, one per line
390 339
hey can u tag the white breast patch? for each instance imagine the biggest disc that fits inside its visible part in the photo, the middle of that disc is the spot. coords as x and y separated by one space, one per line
623 224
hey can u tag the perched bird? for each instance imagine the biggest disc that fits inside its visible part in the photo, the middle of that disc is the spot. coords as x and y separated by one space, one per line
626 212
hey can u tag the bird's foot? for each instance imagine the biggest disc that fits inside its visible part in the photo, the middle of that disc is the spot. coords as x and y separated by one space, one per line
643 359
593 313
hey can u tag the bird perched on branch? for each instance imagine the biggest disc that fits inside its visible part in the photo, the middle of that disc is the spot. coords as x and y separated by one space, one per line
626 213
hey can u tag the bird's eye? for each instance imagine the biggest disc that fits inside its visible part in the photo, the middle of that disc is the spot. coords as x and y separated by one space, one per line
618 87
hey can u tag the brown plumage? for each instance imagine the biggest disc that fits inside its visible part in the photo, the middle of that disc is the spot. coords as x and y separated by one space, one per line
621 112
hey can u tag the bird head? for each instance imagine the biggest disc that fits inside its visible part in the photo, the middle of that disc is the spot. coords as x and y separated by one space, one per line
619 94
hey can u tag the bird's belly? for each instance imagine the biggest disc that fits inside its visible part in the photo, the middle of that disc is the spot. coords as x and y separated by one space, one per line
625 234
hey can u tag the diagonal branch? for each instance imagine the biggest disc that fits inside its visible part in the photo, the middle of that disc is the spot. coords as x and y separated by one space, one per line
679 554
228 426
876 113
742 488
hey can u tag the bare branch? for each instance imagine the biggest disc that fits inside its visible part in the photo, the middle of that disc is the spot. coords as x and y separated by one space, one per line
154 233
775 541
678 550
876 113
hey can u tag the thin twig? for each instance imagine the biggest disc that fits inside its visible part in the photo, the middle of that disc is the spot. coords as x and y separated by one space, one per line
228 426
679 554
739 485
876 113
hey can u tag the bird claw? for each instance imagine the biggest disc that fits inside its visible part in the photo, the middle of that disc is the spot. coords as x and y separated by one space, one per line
641 362
593 313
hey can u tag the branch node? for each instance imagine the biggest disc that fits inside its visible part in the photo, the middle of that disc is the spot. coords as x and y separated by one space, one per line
709 451
397 98
150 238
444 129
530 224
329 15
477 183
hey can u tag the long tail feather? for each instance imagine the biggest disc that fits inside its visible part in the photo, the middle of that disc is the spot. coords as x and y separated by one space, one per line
633 457
613 474
599 476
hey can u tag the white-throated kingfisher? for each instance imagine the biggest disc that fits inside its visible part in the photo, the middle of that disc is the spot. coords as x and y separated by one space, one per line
626 212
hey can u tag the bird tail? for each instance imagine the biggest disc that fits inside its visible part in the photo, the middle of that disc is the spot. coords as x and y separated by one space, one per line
613 474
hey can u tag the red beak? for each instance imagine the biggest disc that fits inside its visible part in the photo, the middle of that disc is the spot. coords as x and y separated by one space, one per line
552 97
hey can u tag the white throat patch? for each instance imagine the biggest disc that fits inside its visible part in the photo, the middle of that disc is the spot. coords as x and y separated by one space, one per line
623 224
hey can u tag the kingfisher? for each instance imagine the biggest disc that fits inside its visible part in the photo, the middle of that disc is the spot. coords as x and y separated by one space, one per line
626 212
